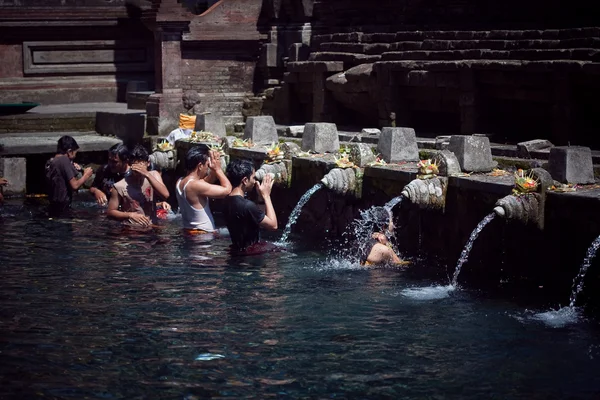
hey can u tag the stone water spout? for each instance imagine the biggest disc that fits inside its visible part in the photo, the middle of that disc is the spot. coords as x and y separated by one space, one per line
278 171
427 193
527 203
163 159
524 208
342 180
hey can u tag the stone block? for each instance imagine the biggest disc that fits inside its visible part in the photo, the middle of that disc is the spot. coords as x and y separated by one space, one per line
371 131
298 52
398 144
269 55
473 153
14 170
261 130
524 149
320 137
360 154
294 131
212 123
127 126
239 127
571 164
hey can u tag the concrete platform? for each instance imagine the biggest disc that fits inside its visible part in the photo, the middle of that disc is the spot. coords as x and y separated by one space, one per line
27 144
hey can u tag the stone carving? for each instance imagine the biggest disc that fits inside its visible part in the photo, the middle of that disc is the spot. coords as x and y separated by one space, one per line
191 102
430 193
341 180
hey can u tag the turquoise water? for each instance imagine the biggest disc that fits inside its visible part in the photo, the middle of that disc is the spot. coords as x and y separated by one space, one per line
88 312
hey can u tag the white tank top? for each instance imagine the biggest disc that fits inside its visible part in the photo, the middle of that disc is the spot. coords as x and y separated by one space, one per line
194 218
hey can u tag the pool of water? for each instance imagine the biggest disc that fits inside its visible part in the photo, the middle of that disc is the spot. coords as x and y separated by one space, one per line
87 311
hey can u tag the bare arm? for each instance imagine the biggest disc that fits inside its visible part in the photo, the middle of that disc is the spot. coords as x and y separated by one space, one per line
113 211
264 189
154 178
76 183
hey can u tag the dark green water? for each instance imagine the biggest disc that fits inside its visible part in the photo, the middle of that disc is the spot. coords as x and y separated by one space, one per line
87 312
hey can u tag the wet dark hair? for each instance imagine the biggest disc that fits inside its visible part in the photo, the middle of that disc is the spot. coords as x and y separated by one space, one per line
139 153
121 151
65 144
238 170
380 216
196 155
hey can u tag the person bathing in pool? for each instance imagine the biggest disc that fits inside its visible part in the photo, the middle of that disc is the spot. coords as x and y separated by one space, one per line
132 199
195 190
243 217
378 250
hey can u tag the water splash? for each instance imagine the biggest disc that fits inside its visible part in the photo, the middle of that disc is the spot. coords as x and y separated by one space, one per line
587 261
428 293
464 256
296 212
554 318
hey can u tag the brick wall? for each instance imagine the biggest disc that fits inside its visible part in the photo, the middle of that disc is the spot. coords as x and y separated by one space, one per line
224 76
12 61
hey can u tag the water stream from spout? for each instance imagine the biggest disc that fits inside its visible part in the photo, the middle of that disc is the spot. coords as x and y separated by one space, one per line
464 256
393 202
587 261
296 212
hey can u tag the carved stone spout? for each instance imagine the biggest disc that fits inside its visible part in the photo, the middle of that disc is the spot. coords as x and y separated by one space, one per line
428 193
341 180
524 208
278 171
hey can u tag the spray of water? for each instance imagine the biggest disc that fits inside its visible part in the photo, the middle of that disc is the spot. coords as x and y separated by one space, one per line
587 261
296 212
464 255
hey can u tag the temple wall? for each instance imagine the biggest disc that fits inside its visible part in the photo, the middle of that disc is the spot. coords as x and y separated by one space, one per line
71 51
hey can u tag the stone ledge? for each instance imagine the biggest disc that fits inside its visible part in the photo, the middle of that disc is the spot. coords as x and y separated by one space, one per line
26 145
316 66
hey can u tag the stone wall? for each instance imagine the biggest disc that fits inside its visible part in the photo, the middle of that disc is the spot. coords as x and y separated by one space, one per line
49 48
385 15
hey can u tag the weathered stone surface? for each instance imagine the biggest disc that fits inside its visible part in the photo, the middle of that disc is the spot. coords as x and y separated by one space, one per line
212 123
289 149
371 131
442 142
473 153
360 154
447 162
127 126
398 144
14 170
261 130
294 131
571 164
320 137
524 149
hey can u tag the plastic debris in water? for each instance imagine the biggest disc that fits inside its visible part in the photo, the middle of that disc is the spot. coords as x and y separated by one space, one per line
208 357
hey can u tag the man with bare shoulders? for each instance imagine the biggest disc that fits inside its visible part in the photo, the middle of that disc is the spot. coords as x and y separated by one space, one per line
132 199
243 217
195 190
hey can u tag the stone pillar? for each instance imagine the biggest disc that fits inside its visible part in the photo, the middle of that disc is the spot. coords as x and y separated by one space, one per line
467 102
561 109
164 106
319 102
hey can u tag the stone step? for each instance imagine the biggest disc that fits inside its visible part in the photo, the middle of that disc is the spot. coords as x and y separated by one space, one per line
347 58
429 44
360 37
537 54
33 143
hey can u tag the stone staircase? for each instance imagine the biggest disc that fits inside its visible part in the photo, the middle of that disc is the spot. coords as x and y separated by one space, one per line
578 44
